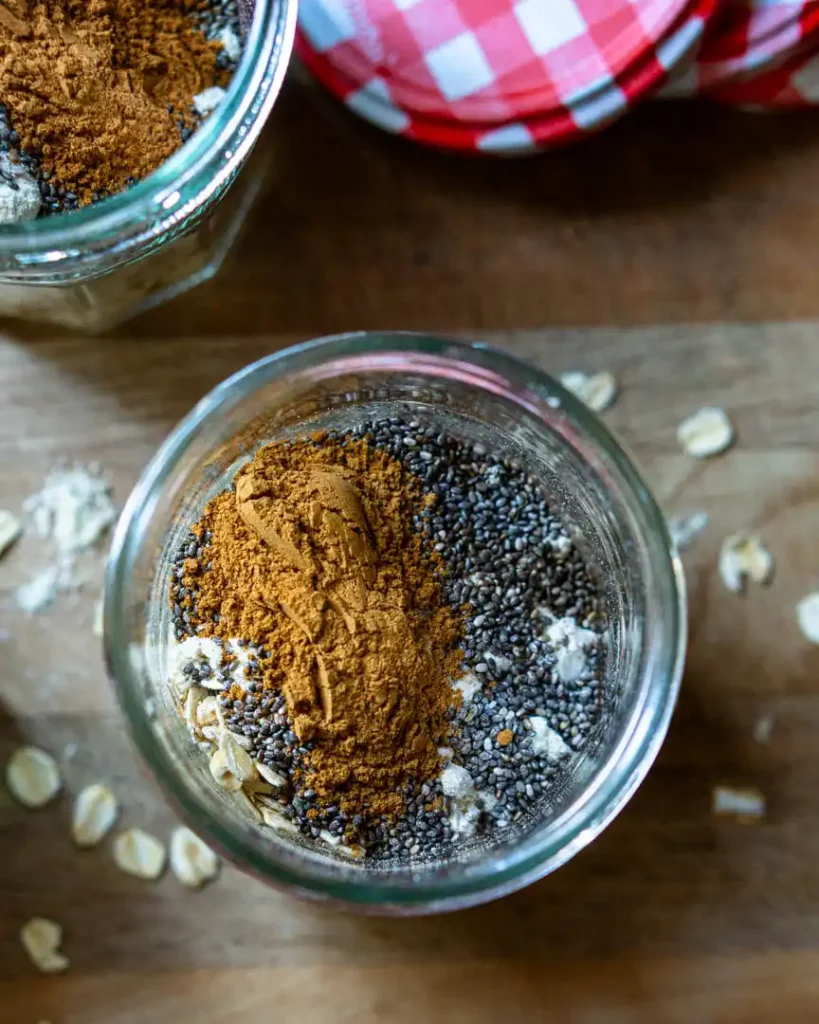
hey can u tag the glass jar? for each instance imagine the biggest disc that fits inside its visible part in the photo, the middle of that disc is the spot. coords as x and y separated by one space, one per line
97 266
513 409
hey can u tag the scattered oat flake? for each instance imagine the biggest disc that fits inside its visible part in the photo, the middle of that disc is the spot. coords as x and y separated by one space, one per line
10 530
139 853
743 556
95 811
745 806
192 861
41 939
763 728
708 432
685 527
807 614
596 390
32 777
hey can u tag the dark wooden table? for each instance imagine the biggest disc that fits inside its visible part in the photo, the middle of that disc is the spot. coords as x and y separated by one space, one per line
680 213
683 214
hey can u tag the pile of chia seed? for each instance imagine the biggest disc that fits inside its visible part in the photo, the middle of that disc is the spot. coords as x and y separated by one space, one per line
214 18
513 567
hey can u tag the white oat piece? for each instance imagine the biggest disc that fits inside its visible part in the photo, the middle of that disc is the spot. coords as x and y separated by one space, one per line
707 432
139 853
596 390
746 805
192 861
743 556
32 777
41 939
95 811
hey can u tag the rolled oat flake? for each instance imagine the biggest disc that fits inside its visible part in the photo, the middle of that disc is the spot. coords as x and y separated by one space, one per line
95 811
597 390
743 557
32 777
708 432
139 853
41 939
192 861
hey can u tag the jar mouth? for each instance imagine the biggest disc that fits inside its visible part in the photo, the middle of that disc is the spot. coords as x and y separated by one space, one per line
252 91
639 739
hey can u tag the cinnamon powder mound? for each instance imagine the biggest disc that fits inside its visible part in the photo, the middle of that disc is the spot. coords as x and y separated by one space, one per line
88 85
313 556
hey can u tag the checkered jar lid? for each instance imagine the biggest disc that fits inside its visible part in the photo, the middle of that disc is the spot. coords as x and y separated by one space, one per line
744 40
505 76
792 85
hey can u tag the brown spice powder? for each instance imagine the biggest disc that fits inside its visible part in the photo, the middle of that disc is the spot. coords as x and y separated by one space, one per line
87 85
314 557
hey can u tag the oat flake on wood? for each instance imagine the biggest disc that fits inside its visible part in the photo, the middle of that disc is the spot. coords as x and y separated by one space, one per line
139 853
41 939
32 777
192 861
743 556
708 432
596 390
95 811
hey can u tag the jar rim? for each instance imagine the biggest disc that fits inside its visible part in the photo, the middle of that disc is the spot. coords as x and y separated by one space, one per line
250 94
607 792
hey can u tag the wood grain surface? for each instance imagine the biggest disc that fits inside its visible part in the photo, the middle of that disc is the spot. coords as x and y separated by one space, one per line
681 212
670 916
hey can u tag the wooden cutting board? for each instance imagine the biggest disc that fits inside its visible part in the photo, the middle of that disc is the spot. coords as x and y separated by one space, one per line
670 916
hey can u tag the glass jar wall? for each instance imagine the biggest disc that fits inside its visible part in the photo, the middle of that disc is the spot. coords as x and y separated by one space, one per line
100 265
512 409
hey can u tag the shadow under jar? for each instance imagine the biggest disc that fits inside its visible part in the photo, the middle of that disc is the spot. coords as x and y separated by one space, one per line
479 395
95 267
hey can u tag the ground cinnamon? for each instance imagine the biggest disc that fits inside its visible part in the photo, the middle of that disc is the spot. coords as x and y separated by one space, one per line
313 556
100 91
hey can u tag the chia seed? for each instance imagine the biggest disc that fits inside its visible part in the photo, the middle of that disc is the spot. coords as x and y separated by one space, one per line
513 569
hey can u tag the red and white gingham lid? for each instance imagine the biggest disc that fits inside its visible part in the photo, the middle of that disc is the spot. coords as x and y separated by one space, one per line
504 76
511 76
746 38
793 85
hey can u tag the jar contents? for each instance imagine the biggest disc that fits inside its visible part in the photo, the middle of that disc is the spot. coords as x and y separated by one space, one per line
96 94
385 640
